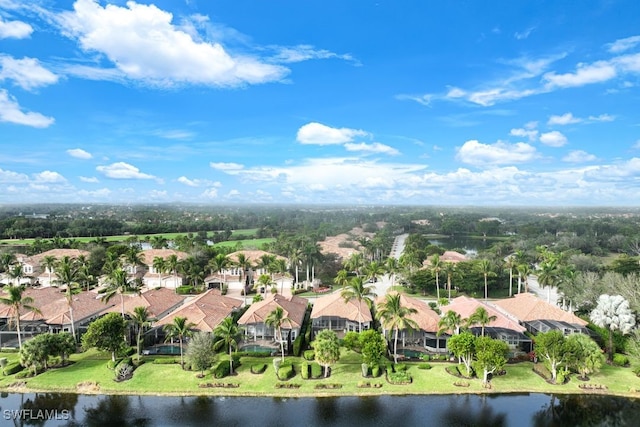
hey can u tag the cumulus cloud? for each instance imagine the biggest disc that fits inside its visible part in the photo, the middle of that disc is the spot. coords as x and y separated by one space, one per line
89 179
122 170
226 167
79 153
11 112
622 45
579 156
49 176
170 57
26 72
305 52
198 182
553 139
10 176
476 153
531 134
564 119
597 72
14 29
319 134
375 147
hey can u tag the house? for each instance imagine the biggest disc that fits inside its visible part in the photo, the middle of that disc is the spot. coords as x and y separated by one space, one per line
37 273
206 311
152 278
448 256
425 336
504 327
238 277
253 320
536 315
334 313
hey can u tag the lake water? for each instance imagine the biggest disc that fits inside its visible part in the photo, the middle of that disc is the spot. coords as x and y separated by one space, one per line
58 409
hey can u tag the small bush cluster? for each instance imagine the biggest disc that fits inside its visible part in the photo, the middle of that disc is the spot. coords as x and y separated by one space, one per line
287 385
367 384
401 377
376 371
165 361
254 353
309 354
13 368
286 372
316 370
330 386
124 372
258 368
592 387
222 370
304 370
218 385
636 371
461 384
620 360
424 366
25 374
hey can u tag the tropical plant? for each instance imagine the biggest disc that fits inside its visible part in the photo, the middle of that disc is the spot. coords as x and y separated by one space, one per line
485 267
586 354
450 270
373 347
373 270
68 275
106 333
160 267
481 317
275 320
172 266
227 334
201 352
16 302
342 278
357 290
279 265
491 356
451 321
511 265
614 314
118 283
552 348
141 318
179 329
327 349
436 267
524 270
394 317
463 346
49 263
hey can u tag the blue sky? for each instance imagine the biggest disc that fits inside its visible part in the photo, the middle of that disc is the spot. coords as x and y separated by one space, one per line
333 101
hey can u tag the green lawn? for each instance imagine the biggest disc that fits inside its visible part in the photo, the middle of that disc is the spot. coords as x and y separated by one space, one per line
247 244
172 380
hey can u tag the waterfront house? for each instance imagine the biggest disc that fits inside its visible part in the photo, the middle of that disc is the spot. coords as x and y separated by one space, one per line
334 313
253 320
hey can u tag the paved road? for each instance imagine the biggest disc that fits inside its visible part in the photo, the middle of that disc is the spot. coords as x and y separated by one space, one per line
547 294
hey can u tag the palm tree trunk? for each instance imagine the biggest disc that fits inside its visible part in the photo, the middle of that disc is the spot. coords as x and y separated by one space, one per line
139 338
486 289
122 304
181 359
395 347
230 360
73 326
18 330
511 282
437 287
281 343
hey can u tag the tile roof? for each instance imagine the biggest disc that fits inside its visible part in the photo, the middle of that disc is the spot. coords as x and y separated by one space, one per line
157 301
293 306
206 311
252 255
426 318
465 307
334 305
527 307
149 255
41 296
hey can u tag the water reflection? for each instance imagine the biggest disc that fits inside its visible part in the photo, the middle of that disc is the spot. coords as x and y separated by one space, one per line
588 410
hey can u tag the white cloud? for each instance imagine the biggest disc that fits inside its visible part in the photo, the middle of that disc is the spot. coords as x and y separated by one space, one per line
122 170
198 182
524 34
100 194
317 133
579 156
91 180
455 92
79 153
11 112
420 99
375 147
170 57
622 45
553 139
226 167
26 72
585 74
49 176
10 176
564 119
186 181
210 193
636 145
14 29
476 153
530 133
602 118
304 52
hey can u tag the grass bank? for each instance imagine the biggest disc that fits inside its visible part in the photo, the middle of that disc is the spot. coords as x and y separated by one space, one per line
155 379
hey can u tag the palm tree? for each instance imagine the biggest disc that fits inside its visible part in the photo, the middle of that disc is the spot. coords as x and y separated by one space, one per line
276 319
227 335
141 318
16 301
436 267
451 321
16 273
243 263
219 264
181 328
7 259
67 275
511 265
357 290
133 257
355 262
158 242
160 266
280 267
264 280
395 317
172 266
481 317
549 274
118 283
373 270
342 278
49 263
484 266
450 270
524 270
392 267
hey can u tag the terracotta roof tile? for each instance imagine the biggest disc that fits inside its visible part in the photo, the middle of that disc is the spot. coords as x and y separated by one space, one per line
527 307
334 305
465 307
293 306
206 311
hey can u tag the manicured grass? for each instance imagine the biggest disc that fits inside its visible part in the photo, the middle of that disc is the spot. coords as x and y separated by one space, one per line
156 379
247 244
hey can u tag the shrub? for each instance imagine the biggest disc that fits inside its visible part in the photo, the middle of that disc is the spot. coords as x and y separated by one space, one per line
112 365
351 340
389 368
304 370
402 377
128 351
222 369
124 372
297 345
24 374
424 366
184 290
400 368
327 386
165 361
426 357
620 360
365 369
254 353
258 368
235 357
13 368
309 354
285 372
375 371
316 370
636 371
